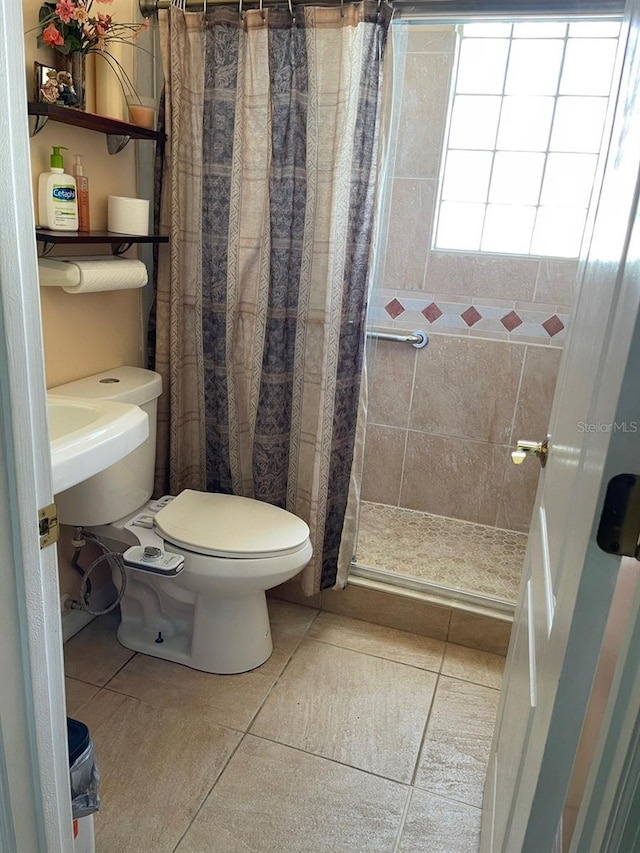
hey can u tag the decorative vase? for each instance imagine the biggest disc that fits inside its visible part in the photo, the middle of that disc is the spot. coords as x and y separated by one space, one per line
74 65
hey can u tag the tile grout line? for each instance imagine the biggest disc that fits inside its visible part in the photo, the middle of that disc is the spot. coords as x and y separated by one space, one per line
209 792
424 733
337 645
403 820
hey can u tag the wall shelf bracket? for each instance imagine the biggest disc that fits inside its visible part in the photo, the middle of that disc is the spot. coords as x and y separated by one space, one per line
116 142
36 123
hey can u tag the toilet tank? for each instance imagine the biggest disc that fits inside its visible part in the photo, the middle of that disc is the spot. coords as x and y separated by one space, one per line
124 487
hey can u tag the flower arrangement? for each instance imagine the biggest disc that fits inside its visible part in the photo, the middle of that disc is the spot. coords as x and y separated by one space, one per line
71 26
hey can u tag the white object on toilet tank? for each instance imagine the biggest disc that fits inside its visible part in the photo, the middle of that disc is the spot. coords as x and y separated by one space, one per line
121 489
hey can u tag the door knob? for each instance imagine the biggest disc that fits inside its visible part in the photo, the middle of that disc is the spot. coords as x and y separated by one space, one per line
531 448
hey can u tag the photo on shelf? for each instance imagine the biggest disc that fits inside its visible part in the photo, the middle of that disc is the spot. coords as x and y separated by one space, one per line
53 86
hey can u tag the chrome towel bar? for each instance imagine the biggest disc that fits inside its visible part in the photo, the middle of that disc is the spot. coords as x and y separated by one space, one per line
417 338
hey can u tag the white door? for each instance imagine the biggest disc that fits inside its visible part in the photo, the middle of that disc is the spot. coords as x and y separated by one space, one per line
568 581
35 806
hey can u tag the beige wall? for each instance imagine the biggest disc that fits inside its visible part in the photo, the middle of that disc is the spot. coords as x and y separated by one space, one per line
93 332
443 419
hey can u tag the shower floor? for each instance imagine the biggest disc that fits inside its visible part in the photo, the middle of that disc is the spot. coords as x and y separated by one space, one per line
456 554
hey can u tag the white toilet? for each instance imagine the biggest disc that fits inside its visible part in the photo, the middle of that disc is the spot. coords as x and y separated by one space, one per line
211 614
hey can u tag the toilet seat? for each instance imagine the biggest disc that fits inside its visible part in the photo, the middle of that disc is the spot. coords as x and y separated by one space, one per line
230 526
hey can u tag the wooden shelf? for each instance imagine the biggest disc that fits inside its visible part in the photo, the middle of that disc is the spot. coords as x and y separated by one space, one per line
118 133
119 242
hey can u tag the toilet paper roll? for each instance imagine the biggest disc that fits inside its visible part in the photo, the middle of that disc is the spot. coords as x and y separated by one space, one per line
91 275
128 215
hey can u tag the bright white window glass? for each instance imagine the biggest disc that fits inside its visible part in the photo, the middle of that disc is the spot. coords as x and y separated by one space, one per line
460 225
534 65
537 30
481 66
474 121
525 123
594 29
466 175
588 67
486 30
508 228
516 178
578 124
568 180
558 231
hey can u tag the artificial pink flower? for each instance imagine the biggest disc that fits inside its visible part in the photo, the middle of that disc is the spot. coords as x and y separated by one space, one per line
52 36
103 24
65 10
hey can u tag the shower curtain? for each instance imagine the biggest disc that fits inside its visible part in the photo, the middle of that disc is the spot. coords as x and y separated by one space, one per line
268 194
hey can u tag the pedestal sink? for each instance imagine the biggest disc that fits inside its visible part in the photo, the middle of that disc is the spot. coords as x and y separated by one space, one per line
88 436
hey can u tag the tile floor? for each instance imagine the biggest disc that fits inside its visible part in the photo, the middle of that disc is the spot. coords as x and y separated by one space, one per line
445 551
351 738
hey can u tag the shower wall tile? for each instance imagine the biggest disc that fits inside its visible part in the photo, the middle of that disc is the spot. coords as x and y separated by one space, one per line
423 106
394 611
541 365
382 467
391 383
453 477
467 388
556 282
518 493
483 275
478 632
410 221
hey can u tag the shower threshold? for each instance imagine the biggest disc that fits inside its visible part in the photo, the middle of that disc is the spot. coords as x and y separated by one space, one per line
439 557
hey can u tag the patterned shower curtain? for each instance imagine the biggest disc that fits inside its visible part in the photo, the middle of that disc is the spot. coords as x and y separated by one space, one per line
268 195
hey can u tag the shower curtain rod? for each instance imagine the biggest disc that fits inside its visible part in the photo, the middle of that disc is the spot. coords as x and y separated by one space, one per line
450 9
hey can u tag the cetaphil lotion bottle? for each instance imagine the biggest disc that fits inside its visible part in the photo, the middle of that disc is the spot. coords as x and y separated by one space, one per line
57 197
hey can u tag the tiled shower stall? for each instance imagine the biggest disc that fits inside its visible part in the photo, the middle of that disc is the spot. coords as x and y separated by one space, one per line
442 420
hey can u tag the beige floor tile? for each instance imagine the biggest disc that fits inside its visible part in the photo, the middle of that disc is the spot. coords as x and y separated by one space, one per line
94 655
473 665
454 758
78 694
437 825
157 767
272 799
357 709
401 646
288 618
230 700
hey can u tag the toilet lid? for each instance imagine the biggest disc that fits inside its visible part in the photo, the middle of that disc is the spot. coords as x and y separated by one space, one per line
230 526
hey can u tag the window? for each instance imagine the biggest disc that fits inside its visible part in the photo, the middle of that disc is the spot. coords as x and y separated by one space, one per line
526 125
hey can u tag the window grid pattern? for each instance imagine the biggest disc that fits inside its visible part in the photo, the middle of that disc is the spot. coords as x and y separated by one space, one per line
526 125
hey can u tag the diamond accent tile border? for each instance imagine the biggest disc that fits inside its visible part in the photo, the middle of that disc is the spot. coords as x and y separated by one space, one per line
539 323
394 308
471 316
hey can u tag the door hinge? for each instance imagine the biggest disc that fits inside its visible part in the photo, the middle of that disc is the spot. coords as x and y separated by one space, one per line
48 525
619 528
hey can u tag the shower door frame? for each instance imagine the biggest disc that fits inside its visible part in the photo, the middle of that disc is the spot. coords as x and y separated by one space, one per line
456 13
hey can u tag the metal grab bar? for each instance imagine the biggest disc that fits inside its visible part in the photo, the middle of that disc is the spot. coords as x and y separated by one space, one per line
417 338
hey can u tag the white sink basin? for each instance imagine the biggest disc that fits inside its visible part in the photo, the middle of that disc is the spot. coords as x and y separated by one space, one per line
88 436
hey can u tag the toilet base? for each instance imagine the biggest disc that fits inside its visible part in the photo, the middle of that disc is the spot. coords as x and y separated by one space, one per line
229 635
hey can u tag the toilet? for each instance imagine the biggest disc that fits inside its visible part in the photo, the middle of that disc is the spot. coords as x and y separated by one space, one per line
197 564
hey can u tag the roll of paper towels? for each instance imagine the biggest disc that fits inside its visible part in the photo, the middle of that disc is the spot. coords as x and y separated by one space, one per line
91 275
128 215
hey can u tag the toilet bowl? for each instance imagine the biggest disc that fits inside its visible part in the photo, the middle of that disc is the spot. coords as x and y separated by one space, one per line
208 612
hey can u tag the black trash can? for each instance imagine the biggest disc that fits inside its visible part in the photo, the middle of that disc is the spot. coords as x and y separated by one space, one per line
85 782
